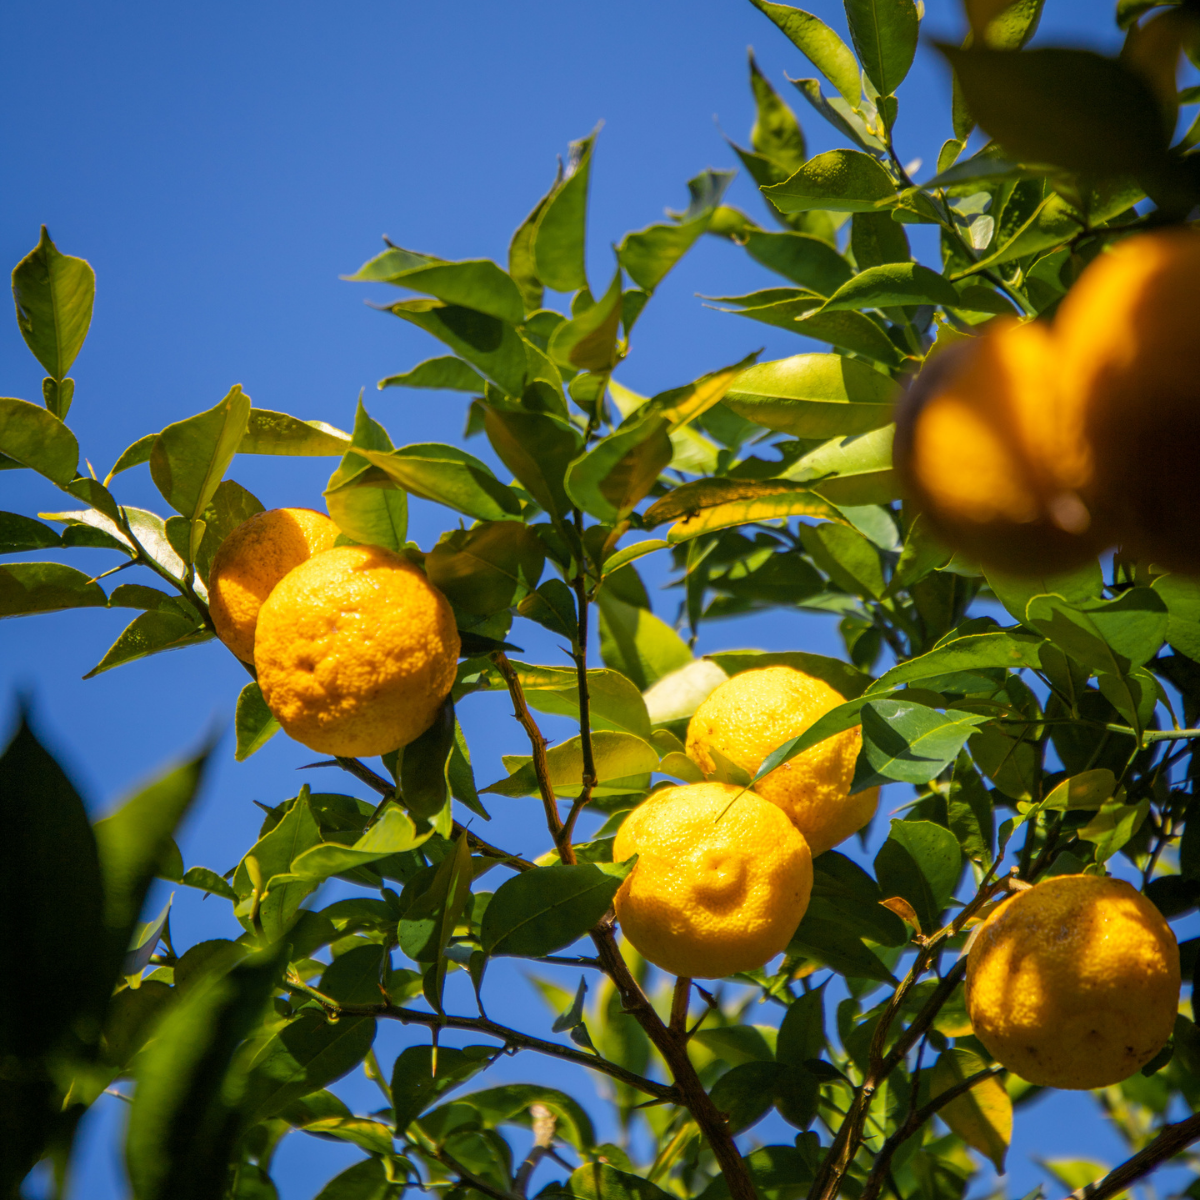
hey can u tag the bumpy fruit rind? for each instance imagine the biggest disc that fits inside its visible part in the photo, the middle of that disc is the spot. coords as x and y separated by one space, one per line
356 652
721 882
1074 983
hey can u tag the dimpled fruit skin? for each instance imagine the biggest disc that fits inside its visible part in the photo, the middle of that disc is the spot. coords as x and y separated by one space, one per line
994 458
1075 982
356 650
709 897
1130 358
252 560
756 711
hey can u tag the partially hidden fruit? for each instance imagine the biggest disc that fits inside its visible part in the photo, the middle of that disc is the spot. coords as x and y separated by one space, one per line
721 882
1129 354
746 718
1074 983
356 651
989 451
252 560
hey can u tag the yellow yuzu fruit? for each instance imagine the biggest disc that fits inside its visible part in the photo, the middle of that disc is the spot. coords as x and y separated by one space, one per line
252 560
1126 334
748 716
991 455
721 882
356 651
1075 982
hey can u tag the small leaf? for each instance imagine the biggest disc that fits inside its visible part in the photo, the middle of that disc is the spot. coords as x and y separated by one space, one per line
521 265
414 1085
548 908
35 438
54 294
819 44
442 374
151 633
393 833
231 505
840 180
884 33
588 342
982 1117
921 862
254 722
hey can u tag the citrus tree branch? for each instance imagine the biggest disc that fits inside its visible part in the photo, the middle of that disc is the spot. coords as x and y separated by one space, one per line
1169 1142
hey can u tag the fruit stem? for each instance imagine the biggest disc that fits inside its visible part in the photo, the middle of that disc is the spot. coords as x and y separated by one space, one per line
679 1004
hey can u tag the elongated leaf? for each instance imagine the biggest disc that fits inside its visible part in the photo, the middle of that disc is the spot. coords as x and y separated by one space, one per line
614 702
231 506
983 1116
813 396
415 1086
848 331
635 642
367 505
35 438
1000 648
544 910
893 284
18 533
448 476
834 946
151 633
449 374
46 587
270 432
501 1105
559 240
476 283
588 342
538 450
922 863
521 264
487 568
776 133
253 721
884 33
621 760
909 742
840 180
1104 635
54 294
189 459
819 44
806 260
393 833
723 504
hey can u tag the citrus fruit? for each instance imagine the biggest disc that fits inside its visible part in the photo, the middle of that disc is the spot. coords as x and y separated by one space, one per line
1074 983
252 560
1130 360
355 652
721 882
751 714
988 451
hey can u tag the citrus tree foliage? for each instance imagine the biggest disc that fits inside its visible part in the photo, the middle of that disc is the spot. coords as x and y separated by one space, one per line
1044 725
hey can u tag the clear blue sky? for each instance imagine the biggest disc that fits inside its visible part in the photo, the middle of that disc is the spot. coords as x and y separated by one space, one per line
220 165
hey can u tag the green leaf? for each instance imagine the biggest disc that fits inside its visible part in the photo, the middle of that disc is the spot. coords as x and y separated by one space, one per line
850 331
151 533
190 458
1073 108
893 284
521 265
813 396
208 881
921 862
622 760
511 1104
393 833
1104 635
552 605
884 33
706 505
1015 592
424 763
18 534
806 260
850 471
449 476
541 911
54 294
1087 790
876 239
307 1054
444 374
365 504
1182 597
746 1093
488 343
838 180
802 1030
909 742
35 438
415 1086
776 134
848 558
1010 648
844 895
270 432
254 723
969 811
231 506
184 1120
983 1116
588 342
635 642
487 568
834 946
46 587
537 449
354 976
476 283
614 702
47 831
151 633
819 44
558 247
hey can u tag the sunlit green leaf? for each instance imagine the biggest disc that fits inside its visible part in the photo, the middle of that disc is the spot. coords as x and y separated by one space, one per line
819 44
622 762
635 642
448 476
840 180
558 247
448 373
893 284
152 633
35 438
983 1116
54 294
884 33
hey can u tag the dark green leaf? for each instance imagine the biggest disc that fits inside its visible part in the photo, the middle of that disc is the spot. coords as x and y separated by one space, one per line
18 534
884 33
969 808
543 910
819 44
1008 648
445 374
46 587
848 330
487 568
1104 635
776 133
208 881
893 284
849 559
393 833
254 723
1015 593
424 764
499 1105
307 1054
552 606
599 1181
449 476
35 438
558 247
922 862
151 633
802 1030
414 1085
54 294
537 449
834 946
365 1180
806 260
876 239
839 180
907 741
746 1093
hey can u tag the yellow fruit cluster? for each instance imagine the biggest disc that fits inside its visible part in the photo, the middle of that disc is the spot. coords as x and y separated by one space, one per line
354 649
1035 446
724 872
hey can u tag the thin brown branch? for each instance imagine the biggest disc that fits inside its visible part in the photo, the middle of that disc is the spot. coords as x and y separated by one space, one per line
1172 1140
536 742
582 606
916 1118
510 1037
544 1122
